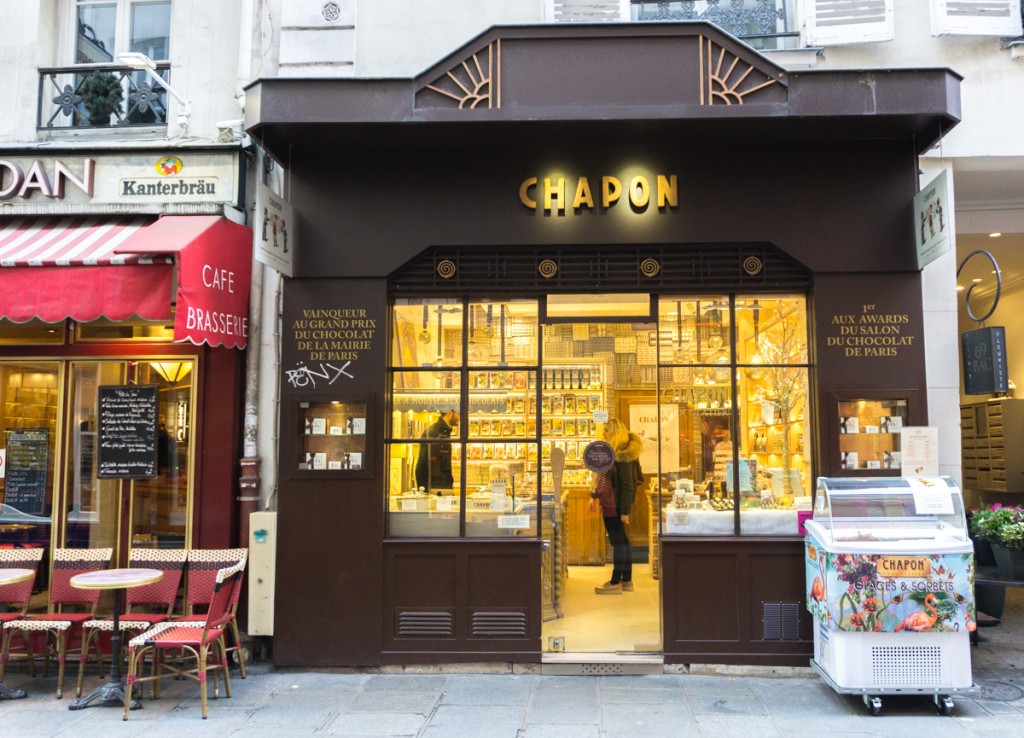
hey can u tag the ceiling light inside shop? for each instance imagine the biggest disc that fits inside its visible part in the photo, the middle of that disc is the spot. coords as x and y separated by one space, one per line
995 234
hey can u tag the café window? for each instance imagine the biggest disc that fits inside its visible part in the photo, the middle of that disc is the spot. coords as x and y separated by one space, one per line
132 329
31 332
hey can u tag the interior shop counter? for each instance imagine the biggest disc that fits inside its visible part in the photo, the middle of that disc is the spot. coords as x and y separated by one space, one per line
753 521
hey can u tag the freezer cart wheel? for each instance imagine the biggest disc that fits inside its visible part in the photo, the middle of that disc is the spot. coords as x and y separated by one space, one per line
944 703
874 704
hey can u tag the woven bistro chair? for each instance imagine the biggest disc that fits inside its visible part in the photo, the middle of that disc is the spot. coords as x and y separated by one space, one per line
60 631
194 638
159 597
16 597
203 565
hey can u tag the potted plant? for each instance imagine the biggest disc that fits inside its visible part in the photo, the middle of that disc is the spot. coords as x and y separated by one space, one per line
102 97
989 598
1003 527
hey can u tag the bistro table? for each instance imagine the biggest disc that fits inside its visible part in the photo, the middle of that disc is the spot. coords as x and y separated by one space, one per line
14 576
112 692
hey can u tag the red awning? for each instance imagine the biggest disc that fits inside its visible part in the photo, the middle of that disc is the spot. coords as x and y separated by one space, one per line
84 268
57 268
214 268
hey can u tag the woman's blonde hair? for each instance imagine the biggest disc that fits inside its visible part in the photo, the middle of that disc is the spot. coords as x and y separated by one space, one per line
616 433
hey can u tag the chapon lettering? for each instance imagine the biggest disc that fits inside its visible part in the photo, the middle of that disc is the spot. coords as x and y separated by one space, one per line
557 194
904 566
23 183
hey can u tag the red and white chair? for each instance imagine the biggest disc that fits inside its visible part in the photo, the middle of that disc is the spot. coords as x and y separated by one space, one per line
58 632
195 639
203 565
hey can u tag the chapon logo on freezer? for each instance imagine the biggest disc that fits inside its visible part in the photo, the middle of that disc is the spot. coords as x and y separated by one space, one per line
169 166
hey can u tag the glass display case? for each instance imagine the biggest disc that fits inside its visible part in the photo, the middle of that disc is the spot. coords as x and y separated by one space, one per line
331 438
890 512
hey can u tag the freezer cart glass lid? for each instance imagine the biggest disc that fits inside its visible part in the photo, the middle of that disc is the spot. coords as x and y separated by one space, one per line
890 509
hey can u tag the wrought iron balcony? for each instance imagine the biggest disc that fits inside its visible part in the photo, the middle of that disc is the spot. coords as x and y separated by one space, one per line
100 96
764 24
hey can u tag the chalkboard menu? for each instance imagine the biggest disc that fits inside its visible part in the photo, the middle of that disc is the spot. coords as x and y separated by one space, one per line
27 464
128 418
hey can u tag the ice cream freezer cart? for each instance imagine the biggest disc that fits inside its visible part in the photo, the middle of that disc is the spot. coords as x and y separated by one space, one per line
890 588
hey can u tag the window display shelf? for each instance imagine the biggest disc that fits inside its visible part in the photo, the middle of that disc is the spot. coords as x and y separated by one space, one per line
866 432
331 438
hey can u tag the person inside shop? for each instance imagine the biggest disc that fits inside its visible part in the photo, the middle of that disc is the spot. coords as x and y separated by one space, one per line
623 478
434 464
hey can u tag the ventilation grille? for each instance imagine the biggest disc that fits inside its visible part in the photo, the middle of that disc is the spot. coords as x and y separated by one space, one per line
920 666
435 624
781 621
499 625
683 268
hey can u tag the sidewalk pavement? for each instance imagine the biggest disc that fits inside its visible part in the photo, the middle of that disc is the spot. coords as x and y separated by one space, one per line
454 702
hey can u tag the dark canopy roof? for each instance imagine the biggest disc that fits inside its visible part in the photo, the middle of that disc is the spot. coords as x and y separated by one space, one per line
513 83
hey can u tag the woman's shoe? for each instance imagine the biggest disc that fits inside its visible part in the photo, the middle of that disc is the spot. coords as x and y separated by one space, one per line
627 586
609 589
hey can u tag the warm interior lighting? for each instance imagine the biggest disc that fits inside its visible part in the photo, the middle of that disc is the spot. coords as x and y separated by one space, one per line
172 371
599 306
995 234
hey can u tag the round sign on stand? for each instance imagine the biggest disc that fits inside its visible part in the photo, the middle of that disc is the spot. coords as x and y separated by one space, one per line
598 456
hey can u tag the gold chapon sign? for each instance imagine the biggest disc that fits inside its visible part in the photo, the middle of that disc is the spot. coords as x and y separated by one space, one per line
556 194
904 566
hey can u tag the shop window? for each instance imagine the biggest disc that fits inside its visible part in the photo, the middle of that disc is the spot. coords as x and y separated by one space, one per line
747 451
32 332
463 426
133 329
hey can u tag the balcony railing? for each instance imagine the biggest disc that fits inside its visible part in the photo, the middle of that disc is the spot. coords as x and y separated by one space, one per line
100 96
764 24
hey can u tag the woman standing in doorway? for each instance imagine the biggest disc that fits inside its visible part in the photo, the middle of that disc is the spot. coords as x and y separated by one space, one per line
624 477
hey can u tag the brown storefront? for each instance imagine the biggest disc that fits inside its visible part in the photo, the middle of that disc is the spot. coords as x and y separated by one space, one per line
551 229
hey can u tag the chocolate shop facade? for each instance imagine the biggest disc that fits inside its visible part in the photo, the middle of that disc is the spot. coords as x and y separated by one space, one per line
551 228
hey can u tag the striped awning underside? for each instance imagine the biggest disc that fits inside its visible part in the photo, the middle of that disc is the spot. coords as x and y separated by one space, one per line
71 241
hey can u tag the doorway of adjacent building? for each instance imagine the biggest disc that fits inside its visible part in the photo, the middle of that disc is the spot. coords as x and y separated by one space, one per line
593 372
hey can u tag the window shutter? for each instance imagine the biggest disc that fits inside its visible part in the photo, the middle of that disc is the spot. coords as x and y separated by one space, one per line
976 17
587 11
838 22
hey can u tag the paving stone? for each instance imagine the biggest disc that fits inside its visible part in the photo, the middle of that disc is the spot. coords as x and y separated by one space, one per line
487 690
453 721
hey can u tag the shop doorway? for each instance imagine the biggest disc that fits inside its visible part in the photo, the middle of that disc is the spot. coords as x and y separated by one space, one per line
594 372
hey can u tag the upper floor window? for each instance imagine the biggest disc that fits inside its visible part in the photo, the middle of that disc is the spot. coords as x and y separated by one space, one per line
107 27
764 24
93 88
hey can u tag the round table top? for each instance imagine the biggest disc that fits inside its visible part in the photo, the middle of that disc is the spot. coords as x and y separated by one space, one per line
13 576
116 578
